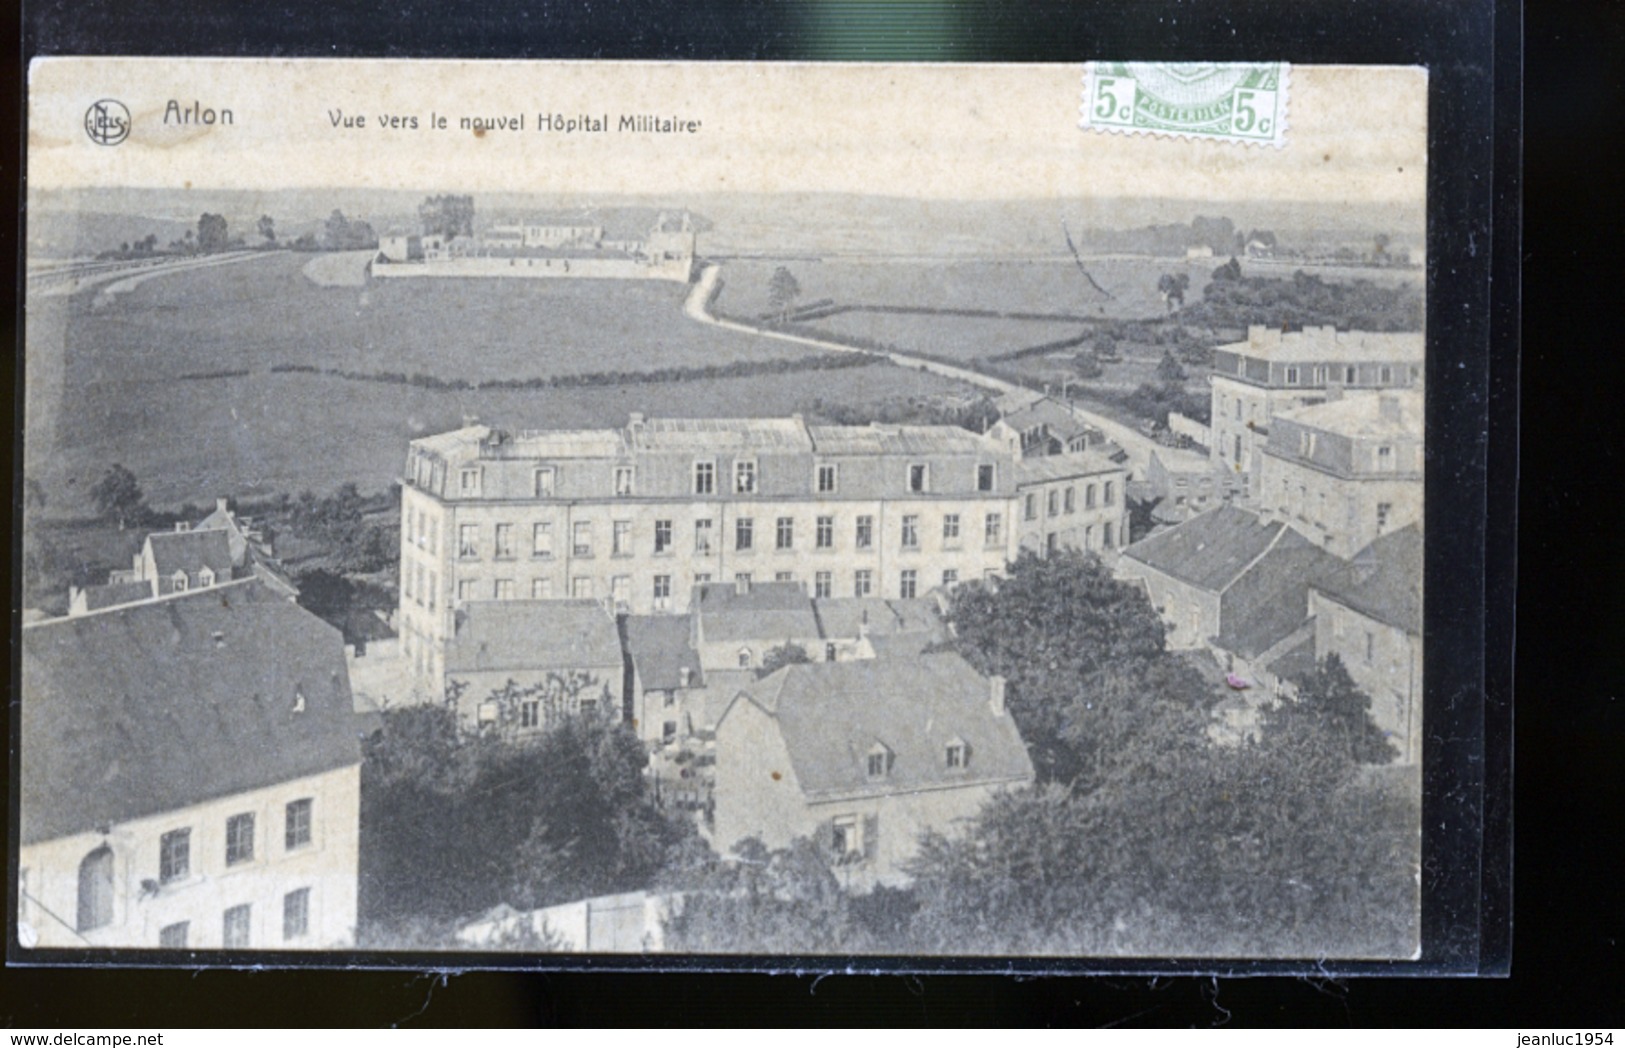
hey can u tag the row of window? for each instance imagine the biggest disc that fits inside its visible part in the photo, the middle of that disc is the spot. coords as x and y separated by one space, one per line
783 535
1061 501
1348 373
746 479
181 582
237 924
585 587
175 847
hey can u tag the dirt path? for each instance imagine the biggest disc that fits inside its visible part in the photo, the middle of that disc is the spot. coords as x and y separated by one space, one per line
1137 444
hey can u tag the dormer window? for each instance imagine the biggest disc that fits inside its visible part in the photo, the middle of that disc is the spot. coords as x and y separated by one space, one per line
744 658
745 477
205 578
879 761
545 479
917 477
470 484
182 583
623 481
956 754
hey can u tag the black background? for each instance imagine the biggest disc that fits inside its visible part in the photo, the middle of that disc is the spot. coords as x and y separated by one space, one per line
1566 954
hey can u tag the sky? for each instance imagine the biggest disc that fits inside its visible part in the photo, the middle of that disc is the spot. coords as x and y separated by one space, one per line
1355 134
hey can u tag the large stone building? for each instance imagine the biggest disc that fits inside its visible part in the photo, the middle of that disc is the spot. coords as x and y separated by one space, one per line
1274 371
636 517
189 777
1345 472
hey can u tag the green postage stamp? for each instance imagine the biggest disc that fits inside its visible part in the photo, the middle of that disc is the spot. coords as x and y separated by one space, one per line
1231 102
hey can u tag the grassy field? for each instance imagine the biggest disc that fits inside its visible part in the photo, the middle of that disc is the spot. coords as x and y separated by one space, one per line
962 338
253 316
263 433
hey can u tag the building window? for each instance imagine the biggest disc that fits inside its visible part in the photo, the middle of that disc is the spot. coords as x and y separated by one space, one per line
993 528
744 658
745 477
909 585
205 578
824 533
668 731
1370 646
823 584
917 477
744 533
530 713
701 578
662 593
1350 375
541 540
296 914
173 936
826 479
1385 375
623 481
1106 535
863 583
505 550
235 927
240 839
541 589
1292 376
742 581
470 483
662 536
784 576
1032 505
865 534
911 531
702 537
465 589
620 538
950 530
620 591
468 541
1238 409
1385 458
785 533
847 835
503 590
581 587
544 483
879 761
581 538
296 824
1108 494
1054 503
954 754
705 478
1069 502
1383 510
174 855
984 478
949 577
96 889
181 582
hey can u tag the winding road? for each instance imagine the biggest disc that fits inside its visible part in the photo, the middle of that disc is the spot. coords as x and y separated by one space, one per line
696 307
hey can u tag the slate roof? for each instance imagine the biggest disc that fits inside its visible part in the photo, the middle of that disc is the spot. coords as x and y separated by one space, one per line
831 714
767 611
191 552
1297 662
1271 599
1061 467
1384 581
116 593
840 617
524 635
1210 550
659 647
158 706
1054 416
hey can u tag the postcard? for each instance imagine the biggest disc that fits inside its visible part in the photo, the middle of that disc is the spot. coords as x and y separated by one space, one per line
645 508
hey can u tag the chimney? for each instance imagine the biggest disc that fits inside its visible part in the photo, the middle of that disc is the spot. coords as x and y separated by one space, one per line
181 525
684 675
995 694
220 504
635 420
1388 407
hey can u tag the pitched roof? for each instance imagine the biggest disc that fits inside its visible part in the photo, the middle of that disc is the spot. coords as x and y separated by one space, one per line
1057 417
1212 549
522 635
849 616
1041 468
1296 662
659 647
831 714
191 552
1271 598
116 593
1384 581
766 611
162 705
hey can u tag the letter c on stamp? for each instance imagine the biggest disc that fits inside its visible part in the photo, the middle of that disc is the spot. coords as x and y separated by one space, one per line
1231 102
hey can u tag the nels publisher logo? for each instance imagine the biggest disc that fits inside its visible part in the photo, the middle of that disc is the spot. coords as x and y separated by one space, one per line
107 122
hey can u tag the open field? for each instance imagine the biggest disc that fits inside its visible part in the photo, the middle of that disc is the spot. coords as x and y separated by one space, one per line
262 433
235 317
962 338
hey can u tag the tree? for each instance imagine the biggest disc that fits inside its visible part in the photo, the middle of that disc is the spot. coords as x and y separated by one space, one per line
1331 704
448 215
342 234
783 901
1087 365
211 232
1230 271
782 291
267 226
1053 628
1172 288
786 654
1169 370
118 497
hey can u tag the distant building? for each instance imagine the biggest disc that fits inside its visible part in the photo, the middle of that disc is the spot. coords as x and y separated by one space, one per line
736 623
1275 371
566 654
1370 617
862 757
1345 472
1186 484
668 683
189 777
1035 424
1073 500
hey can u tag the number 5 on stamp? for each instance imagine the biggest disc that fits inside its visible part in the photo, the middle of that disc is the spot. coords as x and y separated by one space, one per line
1233 102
